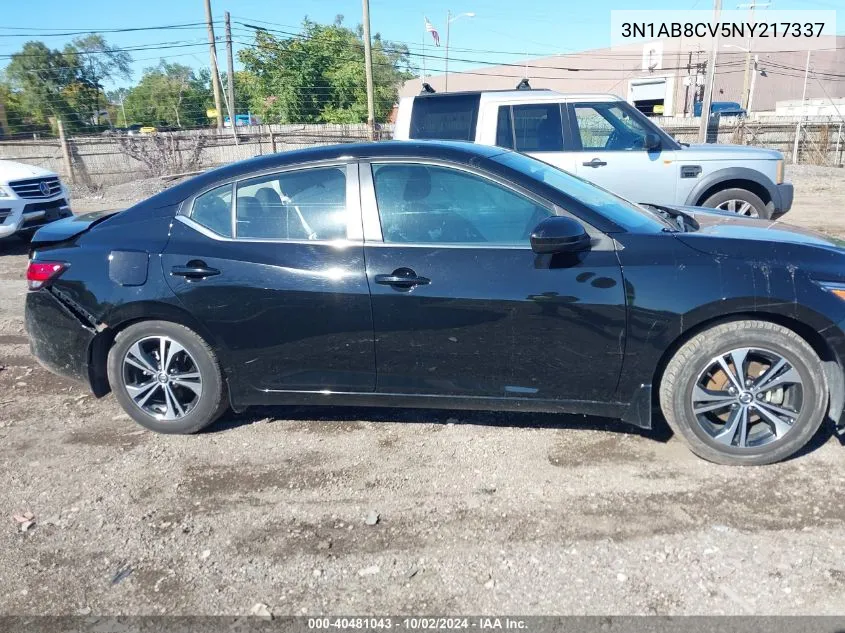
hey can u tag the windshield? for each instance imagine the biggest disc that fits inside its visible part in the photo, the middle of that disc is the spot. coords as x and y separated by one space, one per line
629 216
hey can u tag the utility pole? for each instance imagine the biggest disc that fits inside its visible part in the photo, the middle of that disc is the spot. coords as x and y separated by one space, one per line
756 71
801 120
711 77
212 53
746 89
230 71
446 78
65 151
368 66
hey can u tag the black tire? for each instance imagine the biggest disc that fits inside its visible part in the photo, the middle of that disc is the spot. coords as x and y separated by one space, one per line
209 405
735 193
693 358
25 236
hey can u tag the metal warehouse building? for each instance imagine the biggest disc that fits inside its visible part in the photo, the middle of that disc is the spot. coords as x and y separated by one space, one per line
667 76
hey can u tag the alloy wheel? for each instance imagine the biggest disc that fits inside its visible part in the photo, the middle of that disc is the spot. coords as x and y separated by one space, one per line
747 397
161 377
740 207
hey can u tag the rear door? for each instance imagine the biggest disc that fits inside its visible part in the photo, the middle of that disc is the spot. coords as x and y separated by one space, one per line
608 140
273 268
463 307
537 129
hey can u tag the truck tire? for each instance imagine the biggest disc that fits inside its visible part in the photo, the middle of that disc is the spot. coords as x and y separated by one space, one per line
739 201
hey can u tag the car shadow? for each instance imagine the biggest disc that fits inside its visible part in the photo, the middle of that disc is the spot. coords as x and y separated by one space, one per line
13 246
660 431
318 414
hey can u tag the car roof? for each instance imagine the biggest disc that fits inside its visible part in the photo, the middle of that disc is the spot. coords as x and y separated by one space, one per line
456 151
538 94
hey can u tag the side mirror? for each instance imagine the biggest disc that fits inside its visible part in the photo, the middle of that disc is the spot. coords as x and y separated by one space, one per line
559 234
651 141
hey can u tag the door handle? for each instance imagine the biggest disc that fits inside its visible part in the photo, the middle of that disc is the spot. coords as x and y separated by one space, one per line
594 163
194 270
404 278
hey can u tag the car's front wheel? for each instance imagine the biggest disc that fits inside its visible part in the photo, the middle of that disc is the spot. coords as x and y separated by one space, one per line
166 377
745 393
739 201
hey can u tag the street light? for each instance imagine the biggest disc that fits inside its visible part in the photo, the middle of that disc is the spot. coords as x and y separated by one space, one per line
449 19
756 60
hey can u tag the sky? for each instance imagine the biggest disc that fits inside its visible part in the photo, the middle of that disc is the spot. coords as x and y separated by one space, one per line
500 31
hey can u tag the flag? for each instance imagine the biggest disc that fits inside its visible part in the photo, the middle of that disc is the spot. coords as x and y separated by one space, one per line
434 34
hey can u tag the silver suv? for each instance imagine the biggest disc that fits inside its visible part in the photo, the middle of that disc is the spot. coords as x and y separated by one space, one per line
605 140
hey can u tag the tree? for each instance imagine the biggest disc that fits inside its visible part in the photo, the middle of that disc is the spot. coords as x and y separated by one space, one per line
169 95
40 77
50 83
97 62
319 76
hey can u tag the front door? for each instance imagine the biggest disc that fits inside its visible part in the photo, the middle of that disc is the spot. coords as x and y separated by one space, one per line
282 288
463 307
609 147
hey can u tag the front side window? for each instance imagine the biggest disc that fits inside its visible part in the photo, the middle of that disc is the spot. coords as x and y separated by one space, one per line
428 204
213 210
537 127
607 126
308 204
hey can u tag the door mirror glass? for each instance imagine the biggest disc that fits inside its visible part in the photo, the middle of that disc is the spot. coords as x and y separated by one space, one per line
559 234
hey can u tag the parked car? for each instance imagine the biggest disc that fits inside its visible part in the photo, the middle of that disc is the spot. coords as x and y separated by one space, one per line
607 141
722 108
444 275
30 197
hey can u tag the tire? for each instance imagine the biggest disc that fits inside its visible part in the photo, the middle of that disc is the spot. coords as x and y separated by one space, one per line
25 236
758 208
201 403
690 367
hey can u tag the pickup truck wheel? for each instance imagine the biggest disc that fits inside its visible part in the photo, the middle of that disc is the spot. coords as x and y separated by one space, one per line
739 201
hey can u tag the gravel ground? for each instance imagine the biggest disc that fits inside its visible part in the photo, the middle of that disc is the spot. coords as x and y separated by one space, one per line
354 511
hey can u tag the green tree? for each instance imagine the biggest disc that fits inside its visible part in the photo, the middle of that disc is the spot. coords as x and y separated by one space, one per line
50 83
169 95
319 76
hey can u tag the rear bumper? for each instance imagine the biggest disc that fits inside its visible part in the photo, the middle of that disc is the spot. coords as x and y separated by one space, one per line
57 338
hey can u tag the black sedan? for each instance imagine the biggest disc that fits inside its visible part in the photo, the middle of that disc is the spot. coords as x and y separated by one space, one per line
444 275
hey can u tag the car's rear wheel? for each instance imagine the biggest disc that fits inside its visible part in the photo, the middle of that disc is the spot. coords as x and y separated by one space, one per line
745 393
739 201
166 377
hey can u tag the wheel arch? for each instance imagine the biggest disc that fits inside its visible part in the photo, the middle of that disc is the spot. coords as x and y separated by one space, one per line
740 177
123 317
831 362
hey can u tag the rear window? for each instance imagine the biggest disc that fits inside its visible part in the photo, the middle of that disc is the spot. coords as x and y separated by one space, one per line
446 117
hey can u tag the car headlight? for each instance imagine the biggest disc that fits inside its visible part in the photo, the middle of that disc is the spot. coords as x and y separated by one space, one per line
779 171
5 192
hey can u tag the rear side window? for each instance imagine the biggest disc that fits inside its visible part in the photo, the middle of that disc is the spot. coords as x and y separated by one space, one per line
307 204
213 210
447 117
537 127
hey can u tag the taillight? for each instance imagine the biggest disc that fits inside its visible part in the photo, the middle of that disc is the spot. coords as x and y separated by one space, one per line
39 273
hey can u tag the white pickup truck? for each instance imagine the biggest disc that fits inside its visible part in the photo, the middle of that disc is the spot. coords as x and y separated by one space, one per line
30 197
605 140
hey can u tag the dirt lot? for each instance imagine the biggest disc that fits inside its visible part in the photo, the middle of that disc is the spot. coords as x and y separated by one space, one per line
487 512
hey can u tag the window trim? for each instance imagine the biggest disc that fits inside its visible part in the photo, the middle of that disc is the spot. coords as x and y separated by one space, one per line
354 230
372 219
